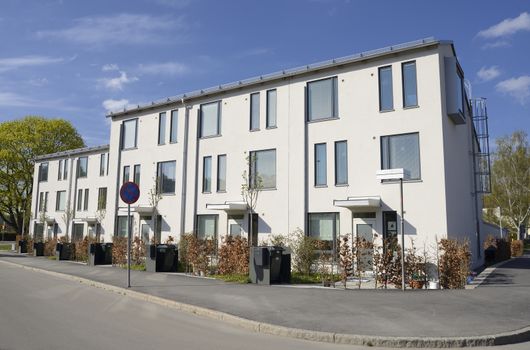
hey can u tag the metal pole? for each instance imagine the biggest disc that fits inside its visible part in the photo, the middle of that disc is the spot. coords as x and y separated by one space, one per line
128 245
402 238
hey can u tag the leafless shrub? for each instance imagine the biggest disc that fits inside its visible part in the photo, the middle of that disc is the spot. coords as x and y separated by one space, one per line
233 256
454 263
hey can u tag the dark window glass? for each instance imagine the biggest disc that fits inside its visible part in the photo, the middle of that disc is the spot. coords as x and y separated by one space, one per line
221 173
136 179
79 199
401 151
341 162
207 226
126 174
263 168
320 164
43 172
166 177
324 227
173 134
322 99
271 108
254 111
386 98
162 128
82 167
129 133
210 119
85 206
207 174
102 198
410 95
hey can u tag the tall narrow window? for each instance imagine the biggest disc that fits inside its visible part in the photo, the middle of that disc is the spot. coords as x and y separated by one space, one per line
102 198
166 177
82 167
60 170
401 151
320 164
136 178
79 199
410 94
174 126
85 206
126 174
162 128
65 172
322 99
207 174
254 111
341 163
102 164
210 119
43 172
271 108
386 97
129 133
43 201
221 173
263 168
60 201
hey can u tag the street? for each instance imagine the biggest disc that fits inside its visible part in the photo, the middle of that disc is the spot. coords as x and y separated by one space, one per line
40 311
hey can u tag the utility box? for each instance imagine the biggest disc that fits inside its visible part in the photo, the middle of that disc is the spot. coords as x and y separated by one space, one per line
161 258
63 251
99 254
269 264
38 249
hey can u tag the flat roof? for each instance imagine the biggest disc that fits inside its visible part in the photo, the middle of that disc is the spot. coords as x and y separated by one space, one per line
284 74
73 152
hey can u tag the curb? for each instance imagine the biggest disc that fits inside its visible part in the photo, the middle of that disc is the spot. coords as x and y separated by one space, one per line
511 337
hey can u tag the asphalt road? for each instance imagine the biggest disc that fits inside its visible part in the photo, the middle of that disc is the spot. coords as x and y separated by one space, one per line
39 311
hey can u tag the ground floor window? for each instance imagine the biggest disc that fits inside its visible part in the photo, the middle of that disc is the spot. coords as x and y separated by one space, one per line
39 232
207 226
390 225
324 227
77 233
122 226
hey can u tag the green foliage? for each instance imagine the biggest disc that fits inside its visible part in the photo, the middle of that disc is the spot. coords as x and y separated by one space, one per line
300 278
20 142
234 277
303 250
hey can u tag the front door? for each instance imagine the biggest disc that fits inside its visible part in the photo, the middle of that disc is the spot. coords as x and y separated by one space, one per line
364 229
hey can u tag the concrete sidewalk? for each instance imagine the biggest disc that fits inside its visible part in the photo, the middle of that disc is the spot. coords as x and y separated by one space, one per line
500 305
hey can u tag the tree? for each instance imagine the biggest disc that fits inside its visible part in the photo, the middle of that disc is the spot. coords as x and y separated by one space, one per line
510 182
250 189
155 196
21 141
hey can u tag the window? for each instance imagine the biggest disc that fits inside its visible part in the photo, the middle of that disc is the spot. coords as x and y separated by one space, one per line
271 108
221 173
207 226
341 163
122 226
79 199
401 151
126 174
162 128
410 94
386 98
65 171
173 134
43 201
82 167
136 177
103 164
320 164
85 206
102 198
210 119
322 99
207 174
43 172
60 201
166 177
129 133
254 111
77 232
263 166
390 224
324 227
60 170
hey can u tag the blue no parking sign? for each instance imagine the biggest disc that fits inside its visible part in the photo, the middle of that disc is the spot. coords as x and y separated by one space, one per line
129 192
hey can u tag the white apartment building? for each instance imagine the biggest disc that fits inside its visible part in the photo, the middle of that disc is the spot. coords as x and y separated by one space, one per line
318 135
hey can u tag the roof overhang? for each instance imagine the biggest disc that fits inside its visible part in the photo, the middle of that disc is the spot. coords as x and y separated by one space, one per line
50 221
144 209
89 219
353 203
228 206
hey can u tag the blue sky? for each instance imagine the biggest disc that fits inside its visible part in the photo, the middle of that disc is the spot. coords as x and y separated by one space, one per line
79 59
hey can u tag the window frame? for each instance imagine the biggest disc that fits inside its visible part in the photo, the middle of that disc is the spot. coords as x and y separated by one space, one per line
103 164
336 228
253 164
162 126
337 183
102 194
126 174
315 162
137 171
268 124
160 183
415 84
380 89
254 119
65 170
60 170
43 165
219 174
201 119
135 120
58 201
207 177
85 200
334 100
216 225
382 160
79 176
79 199
173 124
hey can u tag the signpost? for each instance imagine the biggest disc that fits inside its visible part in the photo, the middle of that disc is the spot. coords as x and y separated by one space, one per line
129 193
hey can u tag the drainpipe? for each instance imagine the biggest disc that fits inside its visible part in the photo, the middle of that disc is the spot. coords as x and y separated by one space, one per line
196 193
118 164
75 189
184 169
306 161
72 205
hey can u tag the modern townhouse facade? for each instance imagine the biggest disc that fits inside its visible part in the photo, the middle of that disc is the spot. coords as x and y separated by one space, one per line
316 136
70 193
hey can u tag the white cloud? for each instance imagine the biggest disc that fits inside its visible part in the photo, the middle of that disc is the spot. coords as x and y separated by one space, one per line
11 63
15 100
117 29
167 68
112 105
507 27
118 82
110 67
496 44
487 74
519 88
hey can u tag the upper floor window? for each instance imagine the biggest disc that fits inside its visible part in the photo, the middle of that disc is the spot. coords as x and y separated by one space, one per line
386 96
126 174
263 168
271 108
410 94
82 167
322 99
401 151
60 170
254 111
102 198
136 175
85 204
60 201
103 163
162 128
210 119
65 170
221 173
166 177
43 201
43 172
320 164
130 133
207 174
173 134
79 199
341 163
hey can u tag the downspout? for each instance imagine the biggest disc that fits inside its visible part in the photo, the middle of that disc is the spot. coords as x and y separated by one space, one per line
475 192
196 194
75 188
306 164
118 164
70 175
184 170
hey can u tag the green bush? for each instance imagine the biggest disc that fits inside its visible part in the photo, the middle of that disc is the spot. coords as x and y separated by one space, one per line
303 251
